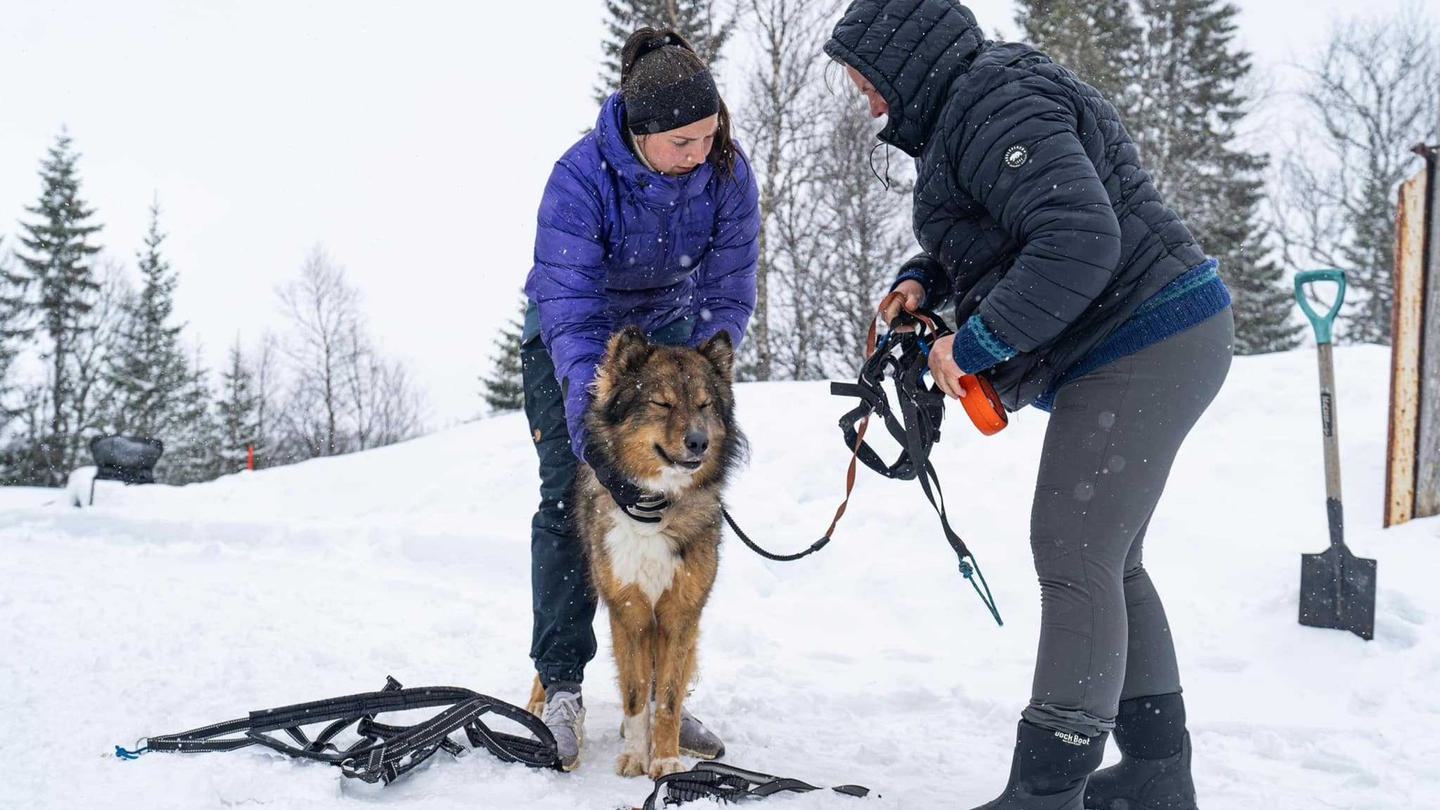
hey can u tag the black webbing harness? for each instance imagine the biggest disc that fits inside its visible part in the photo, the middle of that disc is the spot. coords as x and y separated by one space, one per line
385 752
716 780
902 355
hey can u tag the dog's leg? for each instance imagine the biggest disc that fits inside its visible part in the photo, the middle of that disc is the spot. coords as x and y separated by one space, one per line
635 661
679 634
537 699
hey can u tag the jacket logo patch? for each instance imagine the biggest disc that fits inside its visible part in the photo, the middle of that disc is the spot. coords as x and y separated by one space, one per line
1017 156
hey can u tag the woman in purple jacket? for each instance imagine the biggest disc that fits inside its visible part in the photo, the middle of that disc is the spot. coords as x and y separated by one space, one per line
651 219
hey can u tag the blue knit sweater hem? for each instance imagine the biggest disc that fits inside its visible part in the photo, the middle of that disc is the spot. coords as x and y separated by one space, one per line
1189 300
976 348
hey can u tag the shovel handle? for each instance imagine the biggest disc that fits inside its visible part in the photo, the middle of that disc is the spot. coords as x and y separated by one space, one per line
1324 324
1324 336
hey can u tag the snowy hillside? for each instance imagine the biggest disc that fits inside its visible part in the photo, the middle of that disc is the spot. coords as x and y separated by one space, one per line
163 609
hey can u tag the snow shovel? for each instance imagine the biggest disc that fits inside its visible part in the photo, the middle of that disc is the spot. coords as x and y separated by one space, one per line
1337 589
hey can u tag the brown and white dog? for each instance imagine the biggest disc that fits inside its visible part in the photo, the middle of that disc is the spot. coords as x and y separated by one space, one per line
664 418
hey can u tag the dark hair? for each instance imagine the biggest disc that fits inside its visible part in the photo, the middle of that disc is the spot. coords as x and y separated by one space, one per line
652 59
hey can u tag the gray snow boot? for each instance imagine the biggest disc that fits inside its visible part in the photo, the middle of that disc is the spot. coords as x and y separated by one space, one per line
695 739
1154 769
565 717
698 741
1048 770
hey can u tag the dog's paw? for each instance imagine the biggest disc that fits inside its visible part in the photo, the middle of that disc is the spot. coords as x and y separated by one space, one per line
664 766
632 764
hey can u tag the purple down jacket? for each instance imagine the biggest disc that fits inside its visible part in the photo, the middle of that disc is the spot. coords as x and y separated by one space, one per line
618 244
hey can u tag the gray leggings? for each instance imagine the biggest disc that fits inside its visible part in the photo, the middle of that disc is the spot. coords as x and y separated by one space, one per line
1112 438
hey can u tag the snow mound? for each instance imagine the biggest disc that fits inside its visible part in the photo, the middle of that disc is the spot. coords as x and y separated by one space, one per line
167 608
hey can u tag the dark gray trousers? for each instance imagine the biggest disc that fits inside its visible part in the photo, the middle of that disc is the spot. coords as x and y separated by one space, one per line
1112 438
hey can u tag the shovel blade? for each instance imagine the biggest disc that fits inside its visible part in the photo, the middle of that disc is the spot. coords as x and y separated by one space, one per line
1337 591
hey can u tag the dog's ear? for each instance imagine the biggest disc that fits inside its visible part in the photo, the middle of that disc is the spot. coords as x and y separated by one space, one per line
721 354
625 356
628 350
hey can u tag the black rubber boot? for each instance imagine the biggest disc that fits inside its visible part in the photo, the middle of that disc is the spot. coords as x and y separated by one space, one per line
1048 770
1154 768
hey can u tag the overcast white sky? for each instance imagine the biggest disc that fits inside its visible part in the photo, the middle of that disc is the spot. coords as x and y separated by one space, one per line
410 139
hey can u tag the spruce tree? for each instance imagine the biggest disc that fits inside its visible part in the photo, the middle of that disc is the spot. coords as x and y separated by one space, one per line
58 263
237 415
1185 118
12 333
13 317
148 369
699 21
1369 260
1099 40
504 387
194 438
1262 301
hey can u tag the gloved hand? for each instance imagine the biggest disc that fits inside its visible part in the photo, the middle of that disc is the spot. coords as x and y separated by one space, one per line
639 505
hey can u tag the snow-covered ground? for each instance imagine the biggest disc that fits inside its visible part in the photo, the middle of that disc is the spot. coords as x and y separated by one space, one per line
167 608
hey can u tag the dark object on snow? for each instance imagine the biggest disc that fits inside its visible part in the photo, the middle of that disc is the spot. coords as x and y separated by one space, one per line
1048 770
385 752
714 780
1337 589
1154 769
127 459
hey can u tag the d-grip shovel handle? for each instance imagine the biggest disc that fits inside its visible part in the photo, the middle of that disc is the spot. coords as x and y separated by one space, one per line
1329 423
1324 324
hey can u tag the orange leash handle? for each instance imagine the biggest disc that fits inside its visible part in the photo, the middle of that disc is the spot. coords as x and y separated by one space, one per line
983 405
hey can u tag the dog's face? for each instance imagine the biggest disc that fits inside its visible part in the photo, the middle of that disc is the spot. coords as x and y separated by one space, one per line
663 415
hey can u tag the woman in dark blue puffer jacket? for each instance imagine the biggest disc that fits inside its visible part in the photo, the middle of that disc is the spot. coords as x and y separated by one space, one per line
1078 290
651 220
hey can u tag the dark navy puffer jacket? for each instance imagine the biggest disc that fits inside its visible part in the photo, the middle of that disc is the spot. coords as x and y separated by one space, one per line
618 244
1032 208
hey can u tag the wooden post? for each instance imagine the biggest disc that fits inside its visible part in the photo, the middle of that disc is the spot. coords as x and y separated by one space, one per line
1427 472
1406 337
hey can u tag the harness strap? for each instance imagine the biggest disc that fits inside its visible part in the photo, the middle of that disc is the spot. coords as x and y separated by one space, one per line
859 446
716 780
384 752
916 430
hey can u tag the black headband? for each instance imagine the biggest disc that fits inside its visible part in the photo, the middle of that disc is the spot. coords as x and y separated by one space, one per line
673 105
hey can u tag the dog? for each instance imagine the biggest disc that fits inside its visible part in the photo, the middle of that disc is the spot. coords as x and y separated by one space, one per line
664 417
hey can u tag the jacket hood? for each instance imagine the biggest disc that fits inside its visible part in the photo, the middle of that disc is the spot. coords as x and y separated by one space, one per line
911 50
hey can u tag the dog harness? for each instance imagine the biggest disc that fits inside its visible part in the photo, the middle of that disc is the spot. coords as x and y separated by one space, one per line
384 752
726 783
902 355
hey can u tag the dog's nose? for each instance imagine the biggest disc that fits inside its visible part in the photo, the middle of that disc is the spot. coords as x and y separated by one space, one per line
697 442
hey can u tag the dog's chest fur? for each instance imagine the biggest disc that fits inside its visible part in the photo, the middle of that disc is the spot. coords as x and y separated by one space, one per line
640 554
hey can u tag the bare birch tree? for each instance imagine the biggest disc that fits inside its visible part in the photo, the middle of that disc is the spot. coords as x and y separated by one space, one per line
869 230
98 334
1373 93
323 310
267 391
783 133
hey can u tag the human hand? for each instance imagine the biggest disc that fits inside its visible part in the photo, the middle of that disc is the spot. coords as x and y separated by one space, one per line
914 298
943 368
